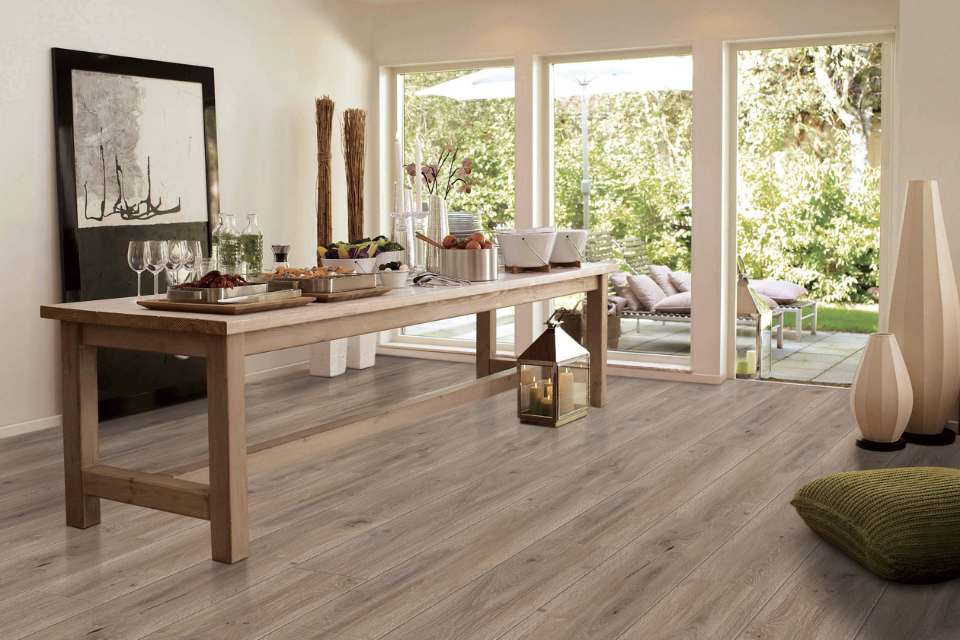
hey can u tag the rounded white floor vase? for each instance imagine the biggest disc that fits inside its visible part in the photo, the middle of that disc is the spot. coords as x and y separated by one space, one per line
923 314
882 397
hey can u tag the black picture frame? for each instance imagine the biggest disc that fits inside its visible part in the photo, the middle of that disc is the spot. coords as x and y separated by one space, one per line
93 260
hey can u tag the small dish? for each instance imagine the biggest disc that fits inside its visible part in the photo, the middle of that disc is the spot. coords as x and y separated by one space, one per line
394 279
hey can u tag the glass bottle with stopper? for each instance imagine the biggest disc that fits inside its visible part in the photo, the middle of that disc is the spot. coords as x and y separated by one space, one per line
228 245
251 247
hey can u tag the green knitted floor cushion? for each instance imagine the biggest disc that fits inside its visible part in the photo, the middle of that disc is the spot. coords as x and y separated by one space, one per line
901 524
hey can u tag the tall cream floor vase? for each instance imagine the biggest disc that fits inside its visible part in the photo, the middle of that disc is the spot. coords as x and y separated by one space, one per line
882 396
924 314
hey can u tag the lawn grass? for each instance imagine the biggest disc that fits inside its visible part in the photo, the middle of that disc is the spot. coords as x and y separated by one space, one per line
849 318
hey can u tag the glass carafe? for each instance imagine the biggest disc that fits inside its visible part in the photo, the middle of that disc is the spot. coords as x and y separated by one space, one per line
228 246
251 247
215 243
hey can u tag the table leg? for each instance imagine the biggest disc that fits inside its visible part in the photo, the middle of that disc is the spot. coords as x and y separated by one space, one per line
80 424
486 342
597 341
229 532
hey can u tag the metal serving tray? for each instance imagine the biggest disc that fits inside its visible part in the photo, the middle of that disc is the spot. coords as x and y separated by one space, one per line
191 294
330 284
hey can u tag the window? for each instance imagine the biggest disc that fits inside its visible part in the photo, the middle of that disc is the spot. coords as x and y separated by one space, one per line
808 196
622 168
458 115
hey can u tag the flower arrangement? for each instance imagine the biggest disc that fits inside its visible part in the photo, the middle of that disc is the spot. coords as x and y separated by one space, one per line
446 174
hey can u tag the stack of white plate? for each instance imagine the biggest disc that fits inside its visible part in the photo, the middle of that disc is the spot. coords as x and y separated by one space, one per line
463 223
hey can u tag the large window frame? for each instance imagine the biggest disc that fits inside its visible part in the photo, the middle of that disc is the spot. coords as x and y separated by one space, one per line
889 213
713 334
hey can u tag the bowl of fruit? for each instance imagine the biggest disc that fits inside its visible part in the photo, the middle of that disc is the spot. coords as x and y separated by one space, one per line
472 258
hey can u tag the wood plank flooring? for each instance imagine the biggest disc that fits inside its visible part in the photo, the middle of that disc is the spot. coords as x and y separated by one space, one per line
665 515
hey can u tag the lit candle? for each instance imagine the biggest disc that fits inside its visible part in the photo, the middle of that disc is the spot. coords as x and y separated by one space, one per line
533 400
565 391
546 399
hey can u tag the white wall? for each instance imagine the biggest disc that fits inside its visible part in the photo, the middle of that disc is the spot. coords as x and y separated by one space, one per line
422 33
928 100
271 59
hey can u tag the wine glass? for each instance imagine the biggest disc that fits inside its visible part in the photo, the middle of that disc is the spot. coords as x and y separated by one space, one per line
193 258
137 259
156 260
176 252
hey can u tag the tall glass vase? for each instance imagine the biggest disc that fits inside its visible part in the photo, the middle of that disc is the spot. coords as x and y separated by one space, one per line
437 227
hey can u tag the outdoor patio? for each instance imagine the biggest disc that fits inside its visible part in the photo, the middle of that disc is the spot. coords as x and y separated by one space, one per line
826 358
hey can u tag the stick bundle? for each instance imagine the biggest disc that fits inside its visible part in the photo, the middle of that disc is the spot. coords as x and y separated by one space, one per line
354 134
324 200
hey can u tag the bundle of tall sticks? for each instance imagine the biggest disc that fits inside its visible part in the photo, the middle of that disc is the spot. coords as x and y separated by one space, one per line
324 200
354 134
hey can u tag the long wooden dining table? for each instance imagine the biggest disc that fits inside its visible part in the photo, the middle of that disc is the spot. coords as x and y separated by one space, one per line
225 340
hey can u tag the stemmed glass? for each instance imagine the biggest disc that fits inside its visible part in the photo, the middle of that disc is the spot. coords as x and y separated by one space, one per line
193 258
156 260
176 253
137 259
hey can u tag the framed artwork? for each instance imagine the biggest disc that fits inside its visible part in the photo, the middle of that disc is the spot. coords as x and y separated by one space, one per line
136 148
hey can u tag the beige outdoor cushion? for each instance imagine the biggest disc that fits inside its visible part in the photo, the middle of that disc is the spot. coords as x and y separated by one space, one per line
661 275
780 290
677 303
680 281
646 291
623 289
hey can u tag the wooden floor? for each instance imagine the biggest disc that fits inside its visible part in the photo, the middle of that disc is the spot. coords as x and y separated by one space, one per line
664 515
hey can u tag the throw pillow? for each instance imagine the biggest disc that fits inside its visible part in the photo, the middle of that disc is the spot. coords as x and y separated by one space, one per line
646 291
680 281
901 524
677 303
622 289
780 290
661 275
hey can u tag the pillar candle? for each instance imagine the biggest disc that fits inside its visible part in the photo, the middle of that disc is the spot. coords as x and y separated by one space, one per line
533 401
546 399
565 391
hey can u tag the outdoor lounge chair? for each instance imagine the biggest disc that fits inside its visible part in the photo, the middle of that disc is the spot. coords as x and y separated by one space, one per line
602 247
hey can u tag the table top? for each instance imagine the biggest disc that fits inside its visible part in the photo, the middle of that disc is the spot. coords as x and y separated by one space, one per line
126 312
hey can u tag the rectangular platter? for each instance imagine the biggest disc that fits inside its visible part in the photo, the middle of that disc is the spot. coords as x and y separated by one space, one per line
235 308
213 296
332 284
348 295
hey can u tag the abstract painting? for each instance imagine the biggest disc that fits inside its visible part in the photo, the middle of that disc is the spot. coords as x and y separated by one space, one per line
136 145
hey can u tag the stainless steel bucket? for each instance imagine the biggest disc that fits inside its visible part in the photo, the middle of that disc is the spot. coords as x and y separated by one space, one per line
475 265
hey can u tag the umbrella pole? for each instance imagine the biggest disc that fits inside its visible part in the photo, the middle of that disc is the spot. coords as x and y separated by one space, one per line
585 135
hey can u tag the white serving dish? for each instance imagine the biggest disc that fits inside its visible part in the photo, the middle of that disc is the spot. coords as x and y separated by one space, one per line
394 279
527 248
570 246
360 265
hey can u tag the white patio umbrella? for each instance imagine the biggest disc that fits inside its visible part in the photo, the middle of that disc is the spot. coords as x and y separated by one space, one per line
661 73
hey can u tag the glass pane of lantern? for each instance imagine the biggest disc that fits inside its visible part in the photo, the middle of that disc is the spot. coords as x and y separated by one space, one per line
581 385
536 390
